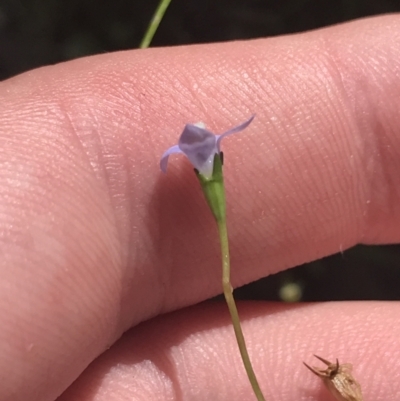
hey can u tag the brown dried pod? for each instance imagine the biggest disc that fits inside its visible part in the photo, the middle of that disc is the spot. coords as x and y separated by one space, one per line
338 380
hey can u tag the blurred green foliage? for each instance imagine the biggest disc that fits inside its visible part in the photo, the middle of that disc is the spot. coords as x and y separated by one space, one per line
39 32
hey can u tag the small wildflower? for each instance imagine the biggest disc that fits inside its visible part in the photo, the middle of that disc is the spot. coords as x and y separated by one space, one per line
200 146
203 149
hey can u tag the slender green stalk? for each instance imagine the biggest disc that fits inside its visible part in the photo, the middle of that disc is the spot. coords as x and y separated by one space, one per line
154 23
230 300
214 192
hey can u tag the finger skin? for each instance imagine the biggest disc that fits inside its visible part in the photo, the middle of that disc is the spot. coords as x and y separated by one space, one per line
94 239
191 355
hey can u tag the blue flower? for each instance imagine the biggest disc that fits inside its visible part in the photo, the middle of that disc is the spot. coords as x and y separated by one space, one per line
200 146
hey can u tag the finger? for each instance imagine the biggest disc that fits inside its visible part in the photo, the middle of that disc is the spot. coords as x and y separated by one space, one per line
95 239
192 355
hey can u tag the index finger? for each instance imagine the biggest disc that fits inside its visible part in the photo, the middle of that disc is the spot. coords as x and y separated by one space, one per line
95 240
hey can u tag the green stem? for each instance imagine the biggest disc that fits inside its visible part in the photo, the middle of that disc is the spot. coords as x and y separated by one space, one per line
228 292
154 23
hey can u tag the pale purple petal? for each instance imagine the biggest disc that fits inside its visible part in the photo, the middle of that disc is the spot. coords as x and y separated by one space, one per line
199 145
238 128
165 156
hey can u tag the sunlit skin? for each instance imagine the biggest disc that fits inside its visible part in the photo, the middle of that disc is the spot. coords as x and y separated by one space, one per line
95 242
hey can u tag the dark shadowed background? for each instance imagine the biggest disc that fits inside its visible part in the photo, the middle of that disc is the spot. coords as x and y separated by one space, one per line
39 32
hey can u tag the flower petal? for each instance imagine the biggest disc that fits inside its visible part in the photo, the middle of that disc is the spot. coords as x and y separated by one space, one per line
238 128
165 156
199 145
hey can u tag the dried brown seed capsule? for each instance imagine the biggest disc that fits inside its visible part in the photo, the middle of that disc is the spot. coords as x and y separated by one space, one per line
338 379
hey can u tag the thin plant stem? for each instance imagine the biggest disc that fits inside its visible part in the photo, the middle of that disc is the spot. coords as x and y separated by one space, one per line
228 293
154 23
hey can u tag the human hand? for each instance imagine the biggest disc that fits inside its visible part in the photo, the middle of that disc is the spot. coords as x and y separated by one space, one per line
96 241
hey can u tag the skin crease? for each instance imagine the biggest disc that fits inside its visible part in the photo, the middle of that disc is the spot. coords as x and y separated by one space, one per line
95 240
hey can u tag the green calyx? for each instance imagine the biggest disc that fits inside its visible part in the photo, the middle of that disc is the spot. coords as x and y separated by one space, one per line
214 190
